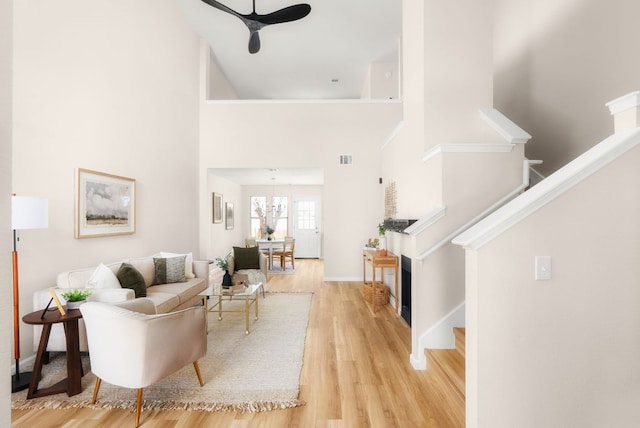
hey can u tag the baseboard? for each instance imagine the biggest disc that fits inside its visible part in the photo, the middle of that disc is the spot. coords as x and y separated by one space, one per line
420 363
24 362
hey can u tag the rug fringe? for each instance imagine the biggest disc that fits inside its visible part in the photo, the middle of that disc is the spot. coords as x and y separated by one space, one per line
248 407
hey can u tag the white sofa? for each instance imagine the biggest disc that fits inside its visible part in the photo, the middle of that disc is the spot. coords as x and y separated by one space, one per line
166 297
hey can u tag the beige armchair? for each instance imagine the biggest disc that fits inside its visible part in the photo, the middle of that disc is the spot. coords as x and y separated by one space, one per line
134 349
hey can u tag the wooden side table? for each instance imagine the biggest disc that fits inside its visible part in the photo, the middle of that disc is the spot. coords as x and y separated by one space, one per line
374 258
72 385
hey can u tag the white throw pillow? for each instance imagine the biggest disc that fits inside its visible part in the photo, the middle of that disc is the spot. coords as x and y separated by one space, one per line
103 277
188 262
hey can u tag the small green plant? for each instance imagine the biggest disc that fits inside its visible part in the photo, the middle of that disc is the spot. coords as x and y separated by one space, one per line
76 295
381 229
223 263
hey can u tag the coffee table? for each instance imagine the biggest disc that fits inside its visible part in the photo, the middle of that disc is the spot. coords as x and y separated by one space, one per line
249 295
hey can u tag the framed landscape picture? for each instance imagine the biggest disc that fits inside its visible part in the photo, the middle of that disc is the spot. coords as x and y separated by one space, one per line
105 204
217 208
229 215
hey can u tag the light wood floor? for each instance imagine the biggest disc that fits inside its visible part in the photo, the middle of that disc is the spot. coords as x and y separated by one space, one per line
356 373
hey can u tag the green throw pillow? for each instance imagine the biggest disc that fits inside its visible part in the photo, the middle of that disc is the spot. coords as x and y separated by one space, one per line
130 277
246 258
169 270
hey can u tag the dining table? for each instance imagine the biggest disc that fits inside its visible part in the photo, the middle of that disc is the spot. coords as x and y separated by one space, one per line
270 245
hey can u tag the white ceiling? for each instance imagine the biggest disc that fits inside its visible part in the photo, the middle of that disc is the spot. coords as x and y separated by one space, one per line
299 60
271 176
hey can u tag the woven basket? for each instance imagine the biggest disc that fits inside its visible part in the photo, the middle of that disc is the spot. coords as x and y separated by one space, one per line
377 294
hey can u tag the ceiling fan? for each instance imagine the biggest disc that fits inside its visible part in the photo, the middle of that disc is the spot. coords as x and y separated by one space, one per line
255 21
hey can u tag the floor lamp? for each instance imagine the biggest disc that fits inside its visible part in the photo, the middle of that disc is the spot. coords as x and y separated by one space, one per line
27 212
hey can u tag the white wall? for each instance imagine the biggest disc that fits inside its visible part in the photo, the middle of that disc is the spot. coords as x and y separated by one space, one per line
108 86
562 352
6 61
305 134
557 64
220 240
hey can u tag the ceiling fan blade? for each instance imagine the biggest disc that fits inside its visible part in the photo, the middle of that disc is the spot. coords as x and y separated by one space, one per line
220 6
287 14
254 42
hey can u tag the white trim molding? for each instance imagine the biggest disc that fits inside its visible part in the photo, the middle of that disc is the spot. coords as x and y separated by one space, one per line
426 222
508 130
624 102
467 148
549 189
439 336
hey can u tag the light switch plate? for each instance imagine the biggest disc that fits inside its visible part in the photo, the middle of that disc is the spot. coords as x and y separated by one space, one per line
543 268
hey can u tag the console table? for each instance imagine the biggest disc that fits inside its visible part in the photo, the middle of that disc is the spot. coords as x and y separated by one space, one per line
72 385
390 261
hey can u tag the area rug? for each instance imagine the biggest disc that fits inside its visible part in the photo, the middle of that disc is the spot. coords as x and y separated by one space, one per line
255 372
277 270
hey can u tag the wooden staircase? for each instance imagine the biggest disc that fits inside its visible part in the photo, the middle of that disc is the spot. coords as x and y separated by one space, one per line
448 366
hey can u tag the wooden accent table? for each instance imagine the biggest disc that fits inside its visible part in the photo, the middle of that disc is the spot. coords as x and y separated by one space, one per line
72 385
374 258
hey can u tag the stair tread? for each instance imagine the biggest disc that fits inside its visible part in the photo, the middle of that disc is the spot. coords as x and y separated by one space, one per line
451 364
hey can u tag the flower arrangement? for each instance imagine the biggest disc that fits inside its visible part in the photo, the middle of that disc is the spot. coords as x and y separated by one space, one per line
223 263
381 229
270 230
76 295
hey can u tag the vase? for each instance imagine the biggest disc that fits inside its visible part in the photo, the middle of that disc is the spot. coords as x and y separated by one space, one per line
226 279
75 305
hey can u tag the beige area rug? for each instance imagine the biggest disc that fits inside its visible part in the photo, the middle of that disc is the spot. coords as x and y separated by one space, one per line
255 372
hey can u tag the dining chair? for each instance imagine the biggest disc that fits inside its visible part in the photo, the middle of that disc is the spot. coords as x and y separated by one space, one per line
250 242
286 252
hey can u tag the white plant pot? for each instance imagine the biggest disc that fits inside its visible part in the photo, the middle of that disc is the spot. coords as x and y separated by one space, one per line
75 305
382 242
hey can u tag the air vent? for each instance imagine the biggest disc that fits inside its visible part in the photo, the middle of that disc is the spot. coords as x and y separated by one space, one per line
345 160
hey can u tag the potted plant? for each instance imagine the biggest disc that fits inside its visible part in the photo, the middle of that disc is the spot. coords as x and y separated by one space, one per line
382 240
76 297
270 230
223 263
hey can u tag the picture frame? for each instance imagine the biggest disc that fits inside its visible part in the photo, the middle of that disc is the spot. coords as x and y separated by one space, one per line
228 210
217 207
105 204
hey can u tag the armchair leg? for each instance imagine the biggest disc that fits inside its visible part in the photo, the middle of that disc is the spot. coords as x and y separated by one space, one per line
95 390
197 367
138 406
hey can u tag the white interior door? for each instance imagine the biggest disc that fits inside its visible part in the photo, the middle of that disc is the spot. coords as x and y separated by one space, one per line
306 226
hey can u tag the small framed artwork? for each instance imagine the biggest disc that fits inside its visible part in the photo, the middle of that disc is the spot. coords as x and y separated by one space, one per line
105 204
229 215
217 208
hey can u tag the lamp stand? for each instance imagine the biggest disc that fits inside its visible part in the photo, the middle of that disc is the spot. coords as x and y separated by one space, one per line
19 381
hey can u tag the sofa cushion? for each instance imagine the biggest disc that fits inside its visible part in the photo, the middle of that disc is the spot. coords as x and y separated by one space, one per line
130 277
164 302
102 277
169 270
246 258
188 262
184 290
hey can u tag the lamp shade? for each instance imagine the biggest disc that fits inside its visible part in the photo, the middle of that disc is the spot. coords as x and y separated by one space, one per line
29 212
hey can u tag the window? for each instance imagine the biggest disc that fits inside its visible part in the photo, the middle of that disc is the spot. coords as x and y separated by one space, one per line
275 215
258 215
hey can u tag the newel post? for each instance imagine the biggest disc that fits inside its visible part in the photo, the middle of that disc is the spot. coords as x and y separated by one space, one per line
625 111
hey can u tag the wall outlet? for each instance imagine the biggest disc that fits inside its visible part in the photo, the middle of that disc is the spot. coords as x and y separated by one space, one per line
543 268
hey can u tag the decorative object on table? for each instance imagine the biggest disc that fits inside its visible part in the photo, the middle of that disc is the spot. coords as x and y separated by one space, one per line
270 230
255 21
54 297
382 240
217 207
75 297
224 265
228 213
27 212
105 204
